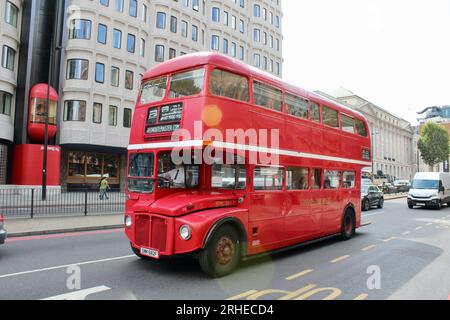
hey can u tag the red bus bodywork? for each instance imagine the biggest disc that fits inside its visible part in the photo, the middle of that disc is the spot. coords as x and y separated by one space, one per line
266 220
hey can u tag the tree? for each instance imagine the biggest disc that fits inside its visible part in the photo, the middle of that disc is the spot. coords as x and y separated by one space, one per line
434 144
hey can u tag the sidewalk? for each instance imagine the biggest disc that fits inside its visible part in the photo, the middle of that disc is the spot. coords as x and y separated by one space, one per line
44 226
395 196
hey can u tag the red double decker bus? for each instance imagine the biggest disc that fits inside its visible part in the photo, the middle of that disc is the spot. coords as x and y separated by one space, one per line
228 162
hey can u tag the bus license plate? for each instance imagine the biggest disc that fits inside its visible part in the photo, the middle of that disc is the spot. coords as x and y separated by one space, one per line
152 253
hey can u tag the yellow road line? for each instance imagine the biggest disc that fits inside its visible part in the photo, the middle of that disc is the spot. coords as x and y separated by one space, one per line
369 247
300 274
362 296
340 259
406 233
243 295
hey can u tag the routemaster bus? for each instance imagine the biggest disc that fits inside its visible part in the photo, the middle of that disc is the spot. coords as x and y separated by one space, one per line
288 174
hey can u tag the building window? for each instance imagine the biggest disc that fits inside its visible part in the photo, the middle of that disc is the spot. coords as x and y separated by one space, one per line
75 110
93 166
159 53
133 8
117 39
99 72
172 53
77 69
5 103
160 20
194 33
215 43
195 5
80 29
257 10
173 24
225 46
11 14
119 5
104 3
142 49
127 116
256 35
131 43
97 113
112 116
215 14
144 13
115 75
8 58
102 33
129 78
184 29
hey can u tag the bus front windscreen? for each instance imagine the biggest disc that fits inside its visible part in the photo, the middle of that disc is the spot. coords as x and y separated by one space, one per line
140 173
426 184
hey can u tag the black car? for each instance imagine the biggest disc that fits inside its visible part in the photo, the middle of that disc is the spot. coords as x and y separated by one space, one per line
371 196
2 231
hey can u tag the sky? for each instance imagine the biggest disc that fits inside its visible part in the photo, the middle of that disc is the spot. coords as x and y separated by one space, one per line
394 53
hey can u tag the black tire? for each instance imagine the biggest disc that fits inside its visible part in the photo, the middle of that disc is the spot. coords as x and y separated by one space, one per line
366 205
410 206
224 245
439 206
348 228
380 203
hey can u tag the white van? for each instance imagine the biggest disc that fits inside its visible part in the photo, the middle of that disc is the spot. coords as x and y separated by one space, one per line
430 189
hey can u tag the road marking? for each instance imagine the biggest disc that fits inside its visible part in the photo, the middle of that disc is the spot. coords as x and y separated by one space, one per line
243 295
372 214
418 228
65 266
340 259
300 274
79 295
429 224
389 239
406 233
369 247
362 296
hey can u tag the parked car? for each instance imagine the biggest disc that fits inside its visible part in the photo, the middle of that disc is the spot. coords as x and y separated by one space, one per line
371 196
388 188
2 230
430 189
402 185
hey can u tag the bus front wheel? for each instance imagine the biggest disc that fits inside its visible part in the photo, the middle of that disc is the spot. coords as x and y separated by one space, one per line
222 254
348 225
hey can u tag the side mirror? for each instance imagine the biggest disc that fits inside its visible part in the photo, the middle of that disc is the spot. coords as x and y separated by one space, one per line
442 189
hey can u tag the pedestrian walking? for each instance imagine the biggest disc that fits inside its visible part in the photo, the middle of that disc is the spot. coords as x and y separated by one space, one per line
104 186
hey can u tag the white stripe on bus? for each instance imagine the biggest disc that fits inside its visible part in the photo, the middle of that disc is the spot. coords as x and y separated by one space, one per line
242 147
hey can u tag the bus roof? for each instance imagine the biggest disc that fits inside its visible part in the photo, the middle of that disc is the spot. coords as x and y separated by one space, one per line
204 58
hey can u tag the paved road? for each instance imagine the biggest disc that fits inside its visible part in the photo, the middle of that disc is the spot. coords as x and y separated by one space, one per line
404 254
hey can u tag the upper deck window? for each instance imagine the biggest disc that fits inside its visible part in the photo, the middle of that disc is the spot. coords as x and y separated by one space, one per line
267 96
330 117
154 90
229 85
347 124
187 83
297 106
315 112
361 128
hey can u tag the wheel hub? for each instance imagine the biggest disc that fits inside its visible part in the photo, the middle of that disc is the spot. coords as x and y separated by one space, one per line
225 250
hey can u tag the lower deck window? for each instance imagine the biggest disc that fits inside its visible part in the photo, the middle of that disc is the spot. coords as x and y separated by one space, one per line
331 179
231 177
268 178
297 179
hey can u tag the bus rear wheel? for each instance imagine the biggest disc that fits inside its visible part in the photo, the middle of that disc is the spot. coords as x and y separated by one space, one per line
222 254
348 225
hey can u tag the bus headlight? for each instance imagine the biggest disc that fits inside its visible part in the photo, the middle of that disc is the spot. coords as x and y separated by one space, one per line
185 232
128 221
